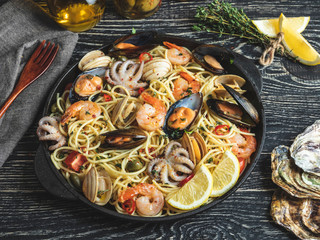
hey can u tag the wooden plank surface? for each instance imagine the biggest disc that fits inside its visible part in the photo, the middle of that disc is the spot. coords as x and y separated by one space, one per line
291 103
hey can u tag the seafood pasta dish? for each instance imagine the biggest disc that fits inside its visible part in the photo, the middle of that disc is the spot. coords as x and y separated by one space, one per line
152 130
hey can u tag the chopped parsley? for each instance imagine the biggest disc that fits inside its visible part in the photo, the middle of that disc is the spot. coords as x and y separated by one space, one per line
210 160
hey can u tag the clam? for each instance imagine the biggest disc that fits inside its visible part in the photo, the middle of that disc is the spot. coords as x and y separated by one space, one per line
244 114
305 150
124 113
213 58
233 81
97 186
195 145
155 69
86 84
132 45
123 138
182 114
94 59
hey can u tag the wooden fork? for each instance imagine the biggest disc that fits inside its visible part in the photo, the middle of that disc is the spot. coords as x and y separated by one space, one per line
38 63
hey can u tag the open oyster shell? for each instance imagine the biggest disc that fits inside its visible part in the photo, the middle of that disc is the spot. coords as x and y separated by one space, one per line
305 149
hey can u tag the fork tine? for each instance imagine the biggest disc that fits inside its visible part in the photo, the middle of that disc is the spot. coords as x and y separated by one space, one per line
45 57
51 56
42 54
38 50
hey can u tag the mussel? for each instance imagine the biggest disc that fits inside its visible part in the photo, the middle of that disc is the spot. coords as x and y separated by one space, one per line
244 114
97 186
182 114
213 58
86 84
132 45
123 138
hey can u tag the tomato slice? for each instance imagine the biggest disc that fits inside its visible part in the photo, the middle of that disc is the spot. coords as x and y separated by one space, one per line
129 206
75 160
187 179
242 163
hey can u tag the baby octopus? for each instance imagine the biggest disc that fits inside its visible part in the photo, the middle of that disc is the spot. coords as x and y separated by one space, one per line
49 130
174 167
126 75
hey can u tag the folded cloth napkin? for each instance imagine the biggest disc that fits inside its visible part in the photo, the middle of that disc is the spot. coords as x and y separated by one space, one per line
23 26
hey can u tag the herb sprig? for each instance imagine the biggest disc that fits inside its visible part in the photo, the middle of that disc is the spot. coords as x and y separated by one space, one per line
220 17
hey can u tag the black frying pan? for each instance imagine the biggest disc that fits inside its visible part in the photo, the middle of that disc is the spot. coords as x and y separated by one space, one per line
53 181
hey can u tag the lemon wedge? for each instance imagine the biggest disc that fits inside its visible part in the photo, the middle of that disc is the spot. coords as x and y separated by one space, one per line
270 27
195 192
225 175
297 45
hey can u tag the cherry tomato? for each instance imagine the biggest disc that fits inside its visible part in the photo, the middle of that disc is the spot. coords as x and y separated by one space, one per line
129 206
75 160
187 179
221 130
242 163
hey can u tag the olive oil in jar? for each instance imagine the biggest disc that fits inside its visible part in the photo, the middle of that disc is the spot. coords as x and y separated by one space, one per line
137 9
76 15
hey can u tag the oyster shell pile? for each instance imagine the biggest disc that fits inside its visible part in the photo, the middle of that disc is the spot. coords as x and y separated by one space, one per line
296 170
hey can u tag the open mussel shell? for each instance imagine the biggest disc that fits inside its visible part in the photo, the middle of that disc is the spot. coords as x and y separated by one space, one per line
123 138
244 104
194 102
97 186
134 44
75 97
213 58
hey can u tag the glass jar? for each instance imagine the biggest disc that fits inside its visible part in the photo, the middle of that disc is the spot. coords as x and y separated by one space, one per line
137 9
76 15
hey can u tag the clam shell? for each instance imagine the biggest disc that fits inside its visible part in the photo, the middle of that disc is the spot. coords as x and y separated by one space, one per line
124 113
94 59
305 150
233 81
187 142
95 181
156 68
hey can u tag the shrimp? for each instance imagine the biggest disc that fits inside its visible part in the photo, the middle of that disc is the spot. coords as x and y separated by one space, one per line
152 114
83 110
244 145
88 84
177 55
185 85
150 200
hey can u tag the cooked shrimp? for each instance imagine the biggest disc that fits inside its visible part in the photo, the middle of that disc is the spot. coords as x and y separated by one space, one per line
185 85
151 115
244 145
83 110
150 200
88 84
176 54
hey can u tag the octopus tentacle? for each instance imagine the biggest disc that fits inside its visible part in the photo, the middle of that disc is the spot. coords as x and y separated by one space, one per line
174 175
180 152
185 161
169 147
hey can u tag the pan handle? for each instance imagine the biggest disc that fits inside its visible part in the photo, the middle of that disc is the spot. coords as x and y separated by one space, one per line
48 179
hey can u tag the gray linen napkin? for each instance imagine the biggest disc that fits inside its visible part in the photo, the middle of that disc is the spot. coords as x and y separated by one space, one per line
22 27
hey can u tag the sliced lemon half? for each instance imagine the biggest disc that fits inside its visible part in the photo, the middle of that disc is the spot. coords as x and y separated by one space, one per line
270 27
297 45
225 175
195 192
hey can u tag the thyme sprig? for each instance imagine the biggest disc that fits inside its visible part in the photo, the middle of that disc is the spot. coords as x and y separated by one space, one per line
220 17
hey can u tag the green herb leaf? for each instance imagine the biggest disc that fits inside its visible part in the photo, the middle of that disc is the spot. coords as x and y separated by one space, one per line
133 31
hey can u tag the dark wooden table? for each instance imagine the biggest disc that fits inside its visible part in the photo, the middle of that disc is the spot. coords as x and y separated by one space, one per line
291 103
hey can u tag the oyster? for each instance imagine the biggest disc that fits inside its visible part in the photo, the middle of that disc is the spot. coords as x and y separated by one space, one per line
311 215
123 138
94 59
195 145
305 150
190 105
289 177
97 186
86 84
287 212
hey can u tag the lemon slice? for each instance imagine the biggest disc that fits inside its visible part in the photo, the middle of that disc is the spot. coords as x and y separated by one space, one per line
270 27
297 45
225 175
195 192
